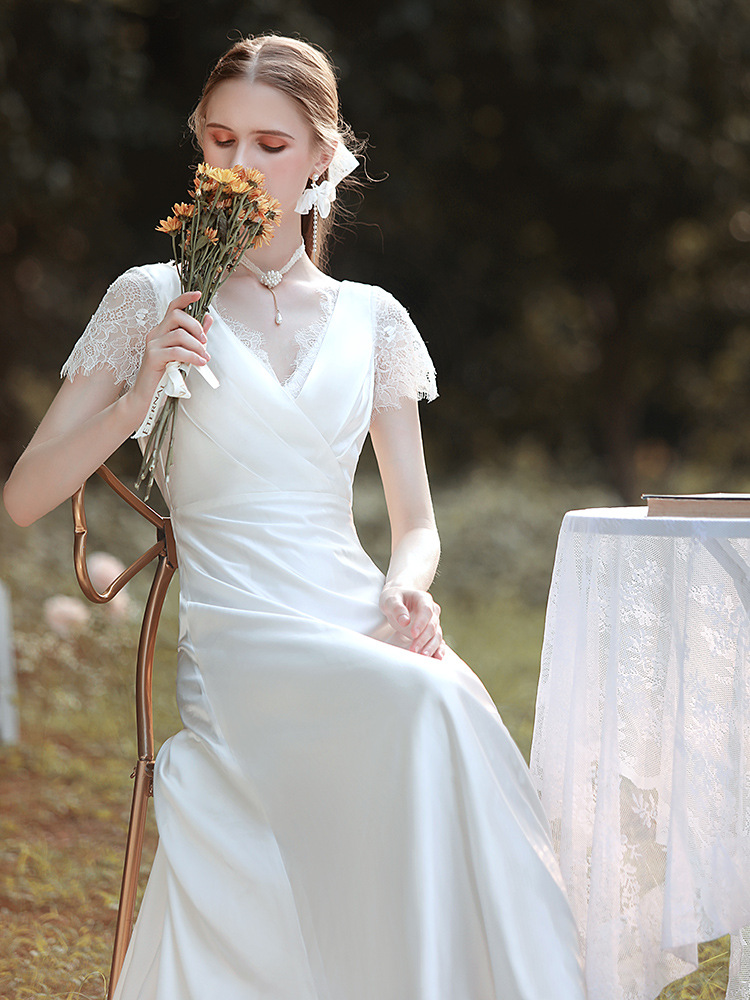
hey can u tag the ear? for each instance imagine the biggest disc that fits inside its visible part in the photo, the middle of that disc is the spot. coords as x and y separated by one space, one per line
324 160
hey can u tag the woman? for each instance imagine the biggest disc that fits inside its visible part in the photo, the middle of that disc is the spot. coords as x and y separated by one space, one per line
343 816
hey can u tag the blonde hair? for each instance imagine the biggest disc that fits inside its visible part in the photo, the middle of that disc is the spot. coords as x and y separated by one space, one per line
305 74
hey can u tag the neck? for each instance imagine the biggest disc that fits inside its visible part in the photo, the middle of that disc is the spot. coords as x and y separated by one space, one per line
275 254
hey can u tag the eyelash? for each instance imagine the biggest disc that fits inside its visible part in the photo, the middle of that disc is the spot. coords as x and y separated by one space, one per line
268 149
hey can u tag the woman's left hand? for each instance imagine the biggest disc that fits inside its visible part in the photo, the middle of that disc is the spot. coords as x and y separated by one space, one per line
414 614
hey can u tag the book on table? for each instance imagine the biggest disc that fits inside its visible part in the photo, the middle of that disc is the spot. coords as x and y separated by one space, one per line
698 504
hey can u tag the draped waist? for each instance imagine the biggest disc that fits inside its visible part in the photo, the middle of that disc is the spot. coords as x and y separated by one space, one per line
268 502
288 552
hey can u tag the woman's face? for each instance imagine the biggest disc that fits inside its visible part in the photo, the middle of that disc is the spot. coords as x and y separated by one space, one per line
258 126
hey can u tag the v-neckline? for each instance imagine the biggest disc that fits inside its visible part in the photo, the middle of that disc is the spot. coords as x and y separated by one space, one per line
268 368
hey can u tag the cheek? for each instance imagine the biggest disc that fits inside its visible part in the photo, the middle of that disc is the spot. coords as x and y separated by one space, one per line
215 156
285 179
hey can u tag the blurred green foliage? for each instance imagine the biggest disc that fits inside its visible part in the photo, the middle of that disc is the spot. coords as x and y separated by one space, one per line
566 211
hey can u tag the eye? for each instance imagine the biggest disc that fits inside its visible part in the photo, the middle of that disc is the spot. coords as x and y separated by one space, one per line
221 138
272 149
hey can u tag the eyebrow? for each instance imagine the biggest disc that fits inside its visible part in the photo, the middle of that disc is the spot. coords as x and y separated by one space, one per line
257 131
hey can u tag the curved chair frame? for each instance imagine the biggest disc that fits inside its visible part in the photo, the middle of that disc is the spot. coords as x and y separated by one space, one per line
165 552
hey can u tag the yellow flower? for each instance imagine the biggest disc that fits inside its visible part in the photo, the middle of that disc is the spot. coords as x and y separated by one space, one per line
212 235
220 175
169 225
253 177
266 207
204 179
266 234
183 210
239 186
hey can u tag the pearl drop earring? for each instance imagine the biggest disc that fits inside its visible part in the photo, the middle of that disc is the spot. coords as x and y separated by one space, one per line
315 217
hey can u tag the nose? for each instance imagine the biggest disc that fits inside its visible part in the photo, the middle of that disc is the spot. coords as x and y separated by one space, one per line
243 153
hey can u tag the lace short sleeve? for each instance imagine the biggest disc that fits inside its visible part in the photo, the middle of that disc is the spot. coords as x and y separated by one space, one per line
403 367
115 335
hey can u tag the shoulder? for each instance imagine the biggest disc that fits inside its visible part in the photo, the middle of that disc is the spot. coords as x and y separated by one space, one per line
379 296
388 314
115 336
403 368
150 281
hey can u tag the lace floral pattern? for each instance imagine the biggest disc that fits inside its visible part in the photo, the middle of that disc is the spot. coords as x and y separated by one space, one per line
403 368
115 336
308 339
641 739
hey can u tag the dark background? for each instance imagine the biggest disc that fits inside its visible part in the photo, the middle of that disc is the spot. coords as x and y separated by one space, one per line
566 211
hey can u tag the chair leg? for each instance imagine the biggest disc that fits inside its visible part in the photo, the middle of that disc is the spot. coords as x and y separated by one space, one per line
144 773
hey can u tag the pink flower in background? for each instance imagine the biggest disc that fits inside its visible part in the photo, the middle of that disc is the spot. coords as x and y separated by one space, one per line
103 569
65 615
120 607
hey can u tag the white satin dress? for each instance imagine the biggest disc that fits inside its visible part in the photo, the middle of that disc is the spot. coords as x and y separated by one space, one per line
339 818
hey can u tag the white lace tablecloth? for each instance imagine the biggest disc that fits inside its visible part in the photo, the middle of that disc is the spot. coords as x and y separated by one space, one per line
641 749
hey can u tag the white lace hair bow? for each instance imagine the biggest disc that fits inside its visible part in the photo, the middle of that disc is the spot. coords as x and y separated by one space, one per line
323 195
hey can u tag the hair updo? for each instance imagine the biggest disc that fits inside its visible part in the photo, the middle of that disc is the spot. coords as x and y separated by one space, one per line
305 74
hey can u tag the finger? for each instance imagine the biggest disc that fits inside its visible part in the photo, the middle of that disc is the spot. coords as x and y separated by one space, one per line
180 354
425 637
184 299
180 320
432 647
431 629
396 611
421 619
179 337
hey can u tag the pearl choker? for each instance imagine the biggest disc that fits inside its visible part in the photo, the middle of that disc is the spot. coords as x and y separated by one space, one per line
272 278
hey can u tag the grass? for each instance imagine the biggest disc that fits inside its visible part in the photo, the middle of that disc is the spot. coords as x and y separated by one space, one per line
66 788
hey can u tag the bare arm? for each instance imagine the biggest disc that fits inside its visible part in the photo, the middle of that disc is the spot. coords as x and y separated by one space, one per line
87 421
415 546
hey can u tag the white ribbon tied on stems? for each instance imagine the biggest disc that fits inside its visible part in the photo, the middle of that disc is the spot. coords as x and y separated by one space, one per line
172 383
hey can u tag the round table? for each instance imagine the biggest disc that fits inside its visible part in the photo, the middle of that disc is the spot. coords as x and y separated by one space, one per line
641 747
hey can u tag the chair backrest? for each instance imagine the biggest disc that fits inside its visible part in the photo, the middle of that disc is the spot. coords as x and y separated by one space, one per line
165 552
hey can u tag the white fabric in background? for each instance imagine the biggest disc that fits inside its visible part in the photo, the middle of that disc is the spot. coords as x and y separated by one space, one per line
641 749
340 819
9 729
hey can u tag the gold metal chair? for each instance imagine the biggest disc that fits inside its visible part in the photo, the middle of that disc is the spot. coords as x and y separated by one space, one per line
165 553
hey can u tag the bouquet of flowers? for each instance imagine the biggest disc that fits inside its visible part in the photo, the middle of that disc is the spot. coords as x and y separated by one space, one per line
229 213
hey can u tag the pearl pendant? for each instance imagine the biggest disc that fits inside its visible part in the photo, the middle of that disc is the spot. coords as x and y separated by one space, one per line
271 279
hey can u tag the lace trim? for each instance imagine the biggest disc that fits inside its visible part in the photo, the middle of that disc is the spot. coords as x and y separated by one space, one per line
403 367
115 336
308 340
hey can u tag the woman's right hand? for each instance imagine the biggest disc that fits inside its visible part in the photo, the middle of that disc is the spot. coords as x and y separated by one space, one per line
179 337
